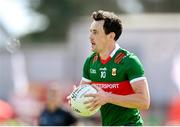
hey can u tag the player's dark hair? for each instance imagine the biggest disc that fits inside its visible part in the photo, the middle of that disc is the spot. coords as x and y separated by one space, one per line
112 22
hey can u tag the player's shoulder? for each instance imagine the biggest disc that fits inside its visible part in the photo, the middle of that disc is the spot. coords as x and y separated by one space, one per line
128 56
92 55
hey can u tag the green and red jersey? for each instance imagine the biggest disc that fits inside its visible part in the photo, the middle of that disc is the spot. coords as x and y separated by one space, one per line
115 75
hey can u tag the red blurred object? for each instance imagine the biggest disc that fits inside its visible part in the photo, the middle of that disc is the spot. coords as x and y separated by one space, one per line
6 111
174 112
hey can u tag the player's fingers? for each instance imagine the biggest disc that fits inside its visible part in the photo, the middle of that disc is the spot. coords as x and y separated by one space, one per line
68 97
90 95
74 87
91 104
96 87
69 102
89 101
95 106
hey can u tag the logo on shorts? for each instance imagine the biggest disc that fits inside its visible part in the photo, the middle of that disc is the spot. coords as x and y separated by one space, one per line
114 71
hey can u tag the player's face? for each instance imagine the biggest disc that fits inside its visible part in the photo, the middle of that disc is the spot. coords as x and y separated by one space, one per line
53 98
97 36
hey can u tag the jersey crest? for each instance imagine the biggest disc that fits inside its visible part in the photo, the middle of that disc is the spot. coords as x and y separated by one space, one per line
114 71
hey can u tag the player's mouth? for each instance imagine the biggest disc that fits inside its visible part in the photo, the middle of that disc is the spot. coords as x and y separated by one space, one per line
92 42
92 45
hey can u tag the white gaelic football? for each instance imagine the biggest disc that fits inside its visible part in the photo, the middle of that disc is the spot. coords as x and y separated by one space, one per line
78 99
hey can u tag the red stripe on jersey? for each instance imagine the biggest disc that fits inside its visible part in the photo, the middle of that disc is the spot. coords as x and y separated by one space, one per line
106 60
121 88
95 58
119 58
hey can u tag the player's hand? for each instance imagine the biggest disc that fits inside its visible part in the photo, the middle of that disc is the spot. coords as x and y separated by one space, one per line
98 99
69 96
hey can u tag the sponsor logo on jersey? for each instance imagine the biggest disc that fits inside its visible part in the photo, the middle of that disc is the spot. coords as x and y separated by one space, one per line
121 88
103 69
92 71
114 70
109 86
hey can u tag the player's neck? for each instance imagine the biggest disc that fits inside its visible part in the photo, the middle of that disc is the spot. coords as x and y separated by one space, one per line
105 53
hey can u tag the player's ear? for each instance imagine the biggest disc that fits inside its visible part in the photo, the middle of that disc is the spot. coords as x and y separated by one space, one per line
111 35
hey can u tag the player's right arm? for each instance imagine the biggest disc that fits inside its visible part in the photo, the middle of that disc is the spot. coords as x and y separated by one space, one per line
86 71
140 99
85 78
84 82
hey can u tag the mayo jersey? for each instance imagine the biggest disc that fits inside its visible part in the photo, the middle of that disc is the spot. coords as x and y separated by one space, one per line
114 75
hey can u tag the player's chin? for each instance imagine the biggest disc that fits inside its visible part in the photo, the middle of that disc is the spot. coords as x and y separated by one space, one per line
93 50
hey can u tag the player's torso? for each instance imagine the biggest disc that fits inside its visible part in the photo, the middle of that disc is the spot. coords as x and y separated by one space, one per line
111 76
109 72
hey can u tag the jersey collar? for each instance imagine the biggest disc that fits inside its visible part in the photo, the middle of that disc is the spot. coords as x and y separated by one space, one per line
111 55
115 50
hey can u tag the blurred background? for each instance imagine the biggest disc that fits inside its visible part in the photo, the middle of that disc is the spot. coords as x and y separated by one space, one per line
46 41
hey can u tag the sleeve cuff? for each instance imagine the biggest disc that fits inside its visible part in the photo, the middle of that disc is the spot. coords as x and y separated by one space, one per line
85 79
137 79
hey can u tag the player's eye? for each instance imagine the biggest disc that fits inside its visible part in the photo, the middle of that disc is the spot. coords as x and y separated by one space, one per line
94 32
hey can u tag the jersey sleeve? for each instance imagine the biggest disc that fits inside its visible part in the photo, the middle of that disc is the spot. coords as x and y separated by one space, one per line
86 70
135 70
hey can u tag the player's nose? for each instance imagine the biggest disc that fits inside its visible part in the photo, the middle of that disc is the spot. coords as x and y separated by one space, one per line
91 36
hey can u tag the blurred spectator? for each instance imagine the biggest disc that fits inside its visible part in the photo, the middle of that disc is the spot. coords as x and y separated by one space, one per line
28 106
54 114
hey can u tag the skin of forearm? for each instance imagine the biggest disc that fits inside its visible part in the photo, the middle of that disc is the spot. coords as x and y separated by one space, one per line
138 101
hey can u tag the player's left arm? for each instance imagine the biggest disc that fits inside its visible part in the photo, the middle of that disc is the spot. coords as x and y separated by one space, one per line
140 99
